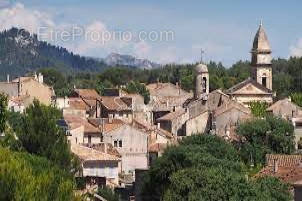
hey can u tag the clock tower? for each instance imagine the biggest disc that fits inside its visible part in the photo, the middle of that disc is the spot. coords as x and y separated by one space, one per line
261 59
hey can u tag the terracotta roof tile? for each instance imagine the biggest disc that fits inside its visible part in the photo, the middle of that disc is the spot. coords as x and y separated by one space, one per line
289 168
114 103
87 93
89 154
88 127
172 115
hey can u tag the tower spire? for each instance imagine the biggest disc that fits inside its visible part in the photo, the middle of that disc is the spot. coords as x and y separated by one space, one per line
201 55
261 22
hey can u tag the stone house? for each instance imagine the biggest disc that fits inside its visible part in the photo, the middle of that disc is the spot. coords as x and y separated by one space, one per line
291 112
116 107
166 98
33 87
85 98
131 143
91 134
97 164
227 117
287 168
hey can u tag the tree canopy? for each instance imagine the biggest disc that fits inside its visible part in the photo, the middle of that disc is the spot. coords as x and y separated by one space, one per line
266 135
205 167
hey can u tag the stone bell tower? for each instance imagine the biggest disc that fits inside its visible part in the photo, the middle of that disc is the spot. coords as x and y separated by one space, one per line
262 59
202 80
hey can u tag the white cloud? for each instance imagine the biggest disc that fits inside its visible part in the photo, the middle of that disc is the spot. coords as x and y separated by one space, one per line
19 16
142 49
296 50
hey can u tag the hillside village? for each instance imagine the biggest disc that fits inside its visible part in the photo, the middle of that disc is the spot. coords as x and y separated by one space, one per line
117 136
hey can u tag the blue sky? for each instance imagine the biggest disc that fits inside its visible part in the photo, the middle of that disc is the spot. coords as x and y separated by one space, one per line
225 29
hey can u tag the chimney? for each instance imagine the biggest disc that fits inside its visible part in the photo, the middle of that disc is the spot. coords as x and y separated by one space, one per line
105 148
158 125
275 166
19 86
290 99
7 78
35 75
110 118
40 78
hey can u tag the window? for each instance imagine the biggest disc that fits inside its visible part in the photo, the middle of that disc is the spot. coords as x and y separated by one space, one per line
264 81
204 84
115 143
120 143
102 138
89 139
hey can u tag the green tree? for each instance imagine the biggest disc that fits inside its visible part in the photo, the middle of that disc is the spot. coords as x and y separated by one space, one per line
297 98
27 177
258 108
40 135
108 194
3 112
135 87
205 167
263 136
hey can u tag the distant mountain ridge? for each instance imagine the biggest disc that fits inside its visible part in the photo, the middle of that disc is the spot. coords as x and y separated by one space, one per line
115 59
21 52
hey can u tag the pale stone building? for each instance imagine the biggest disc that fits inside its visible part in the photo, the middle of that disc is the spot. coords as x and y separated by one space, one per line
291 112
131 143
26 89
259 86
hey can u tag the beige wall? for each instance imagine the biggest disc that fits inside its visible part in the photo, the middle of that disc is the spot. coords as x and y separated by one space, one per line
37 90
265 72
246 99
95 138
197 125
74 112
107 169
76 136
134 147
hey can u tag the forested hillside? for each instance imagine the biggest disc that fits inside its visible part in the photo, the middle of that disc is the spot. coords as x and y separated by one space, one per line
21 52
287 77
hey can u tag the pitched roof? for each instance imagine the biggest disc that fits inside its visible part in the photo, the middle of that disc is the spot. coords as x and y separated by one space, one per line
114 103
107 127
172 115
230 105
89 154
87 93
78 104
88 127
285 106
289 168
283 160
242 84
164 133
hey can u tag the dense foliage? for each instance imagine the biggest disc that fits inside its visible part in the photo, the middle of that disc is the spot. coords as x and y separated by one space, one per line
3 112
138 88
258 109
39 134
205 167
27 177
108 194
263 136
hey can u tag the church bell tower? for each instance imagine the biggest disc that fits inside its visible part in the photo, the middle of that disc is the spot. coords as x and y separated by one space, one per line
261 59
202 87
